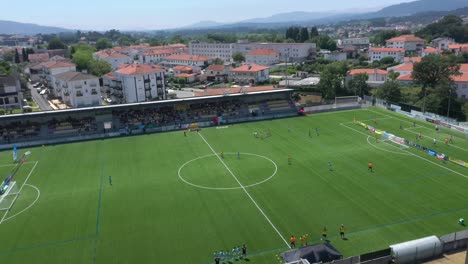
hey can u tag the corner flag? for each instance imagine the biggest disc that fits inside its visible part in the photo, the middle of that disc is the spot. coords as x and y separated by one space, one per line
15 152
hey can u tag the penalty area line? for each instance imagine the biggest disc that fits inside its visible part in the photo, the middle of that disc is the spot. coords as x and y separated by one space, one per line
19 191
246 192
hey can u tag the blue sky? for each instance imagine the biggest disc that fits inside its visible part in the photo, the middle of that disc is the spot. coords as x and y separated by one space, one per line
157 14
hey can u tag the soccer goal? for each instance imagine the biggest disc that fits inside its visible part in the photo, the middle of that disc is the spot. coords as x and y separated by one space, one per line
8 198
395 144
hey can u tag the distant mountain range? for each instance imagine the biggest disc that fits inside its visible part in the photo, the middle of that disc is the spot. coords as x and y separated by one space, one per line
10 27
277 20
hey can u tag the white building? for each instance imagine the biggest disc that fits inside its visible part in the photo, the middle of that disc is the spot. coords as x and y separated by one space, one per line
406 42
250 73
405 68
187 59
458 48
155 56
376 77
136 83
461 84
442 43
335 56
51 68
77 89
429 51
262 56
378 53
10 92
291 52
113 58
360 43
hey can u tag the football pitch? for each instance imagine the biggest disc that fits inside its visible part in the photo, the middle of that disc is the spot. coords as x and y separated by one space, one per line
177 199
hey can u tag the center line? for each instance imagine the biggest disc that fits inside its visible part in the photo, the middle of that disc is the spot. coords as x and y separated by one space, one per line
245 190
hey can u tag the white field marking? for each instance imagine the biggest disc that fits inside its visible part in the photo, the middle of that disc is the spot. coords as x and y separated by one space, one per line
14 164
456 172
222 127
226 188
19 191
416 127
333 112
383 141
451 145
246 192
22 211
381 118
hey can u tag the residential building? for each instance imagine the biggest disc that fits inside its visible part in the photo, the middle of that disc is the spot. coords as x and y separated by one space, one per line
250 73
442 43
429 51
187 59
216 73
376 77
77 89
113 57
461 84
378 53
40 57
51 68
359 43
262 56
155 56
10 92
407 42
463 68
336 56
185 73
405 79
458 48
136 83
412 59
291 52
402 69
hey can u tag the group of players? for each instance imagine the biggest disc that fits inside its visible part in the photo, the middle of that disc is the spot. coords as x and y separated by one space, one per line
237 253
304 239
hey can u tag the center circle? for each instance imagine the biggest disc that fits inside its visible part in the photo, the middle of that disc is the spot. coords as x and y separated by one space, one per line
242 154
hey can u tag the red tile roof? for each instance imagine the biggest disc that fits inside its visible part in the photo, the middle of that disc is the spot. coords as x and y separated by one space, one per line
406 38
38 56
368 71
139 68
250 67
182 68
57 64
412 59
185 75
160 51
215 67
403 67
187 57
430 49
109 53
458 46
266 52
460 78
464 67
383 49
405 77
109 75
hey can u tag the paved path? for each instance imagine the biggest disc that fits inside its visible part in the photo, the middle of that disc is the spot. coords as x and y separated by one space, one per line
456 258
40 99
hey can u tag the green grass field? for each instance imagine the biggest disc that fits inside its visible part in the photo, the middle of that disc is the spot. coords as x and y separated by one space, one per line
175 200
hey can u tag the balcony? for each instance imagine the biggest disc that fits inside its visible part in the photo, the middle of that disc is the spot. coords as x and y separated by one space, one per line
92 85
79 94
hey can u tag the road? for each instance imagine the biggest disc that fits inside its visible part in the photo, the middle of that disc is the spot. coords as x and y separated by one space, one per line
40 99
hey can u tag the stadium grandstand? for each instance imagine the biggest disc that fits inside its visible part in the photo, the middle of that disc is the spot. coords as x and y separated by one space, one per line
107 121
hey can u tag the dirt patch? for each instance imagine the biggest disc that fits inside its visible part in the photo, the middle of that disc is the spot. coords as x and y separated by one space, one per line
455 258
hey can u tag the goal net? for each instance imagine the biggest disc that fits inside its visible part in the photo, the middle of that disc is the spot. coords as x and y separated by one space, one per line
9 197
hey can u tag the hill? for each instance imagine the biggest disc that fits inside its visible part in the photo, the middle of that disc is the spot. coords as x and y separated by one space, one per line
11 27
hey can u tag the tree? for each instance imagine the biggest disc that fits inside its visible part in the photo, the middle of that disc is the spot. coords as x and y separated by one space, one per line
332 80
324 42
358 85
449 26
393 75
304 35
218 61
99 67
103 43
433 71
83 56
5 67
238 57
313 32
24 55
56 43
387 60
381 37
389 91
9 56
17 57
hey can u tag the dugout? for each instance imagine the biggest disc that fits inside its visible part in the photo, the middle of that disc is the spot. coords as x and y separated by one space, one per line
324 252
417 250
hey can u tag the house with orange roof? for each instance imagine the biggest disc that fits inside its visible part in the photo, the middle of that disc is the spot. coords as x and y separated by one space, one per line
429 51
402 69
463 68
458 48
187 59
376 77
460 82
216 73
412 59
378 53
39 57
156 55
250 73
136 83
406 42
262 56
405 79
113 57
442 43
